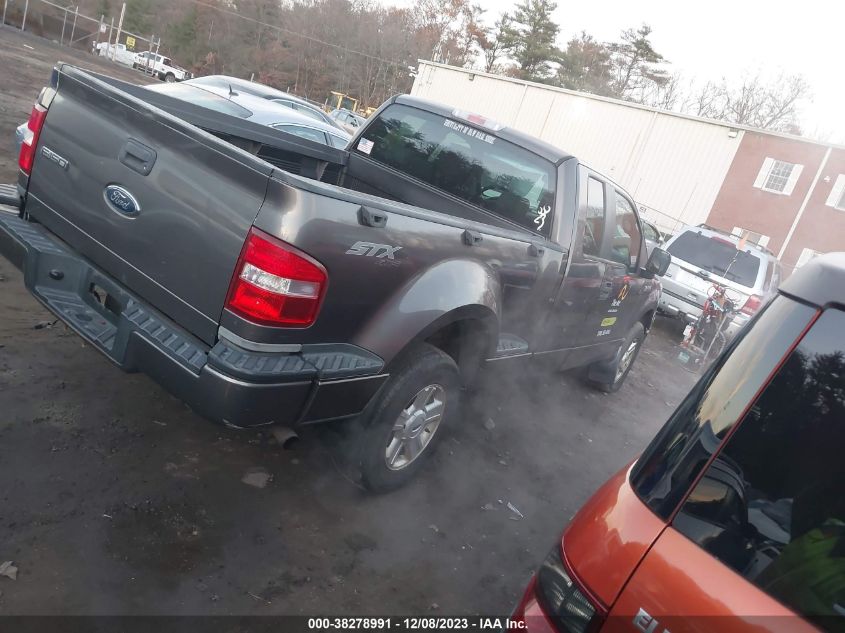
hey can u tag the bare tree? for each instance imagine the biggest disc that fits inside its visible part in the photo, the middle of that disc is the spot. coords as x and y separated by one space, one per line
768 105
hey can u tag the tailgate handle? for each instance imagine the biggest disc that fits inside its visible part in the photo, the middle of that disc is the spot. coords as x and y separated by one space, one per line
471 238
137 157
375 219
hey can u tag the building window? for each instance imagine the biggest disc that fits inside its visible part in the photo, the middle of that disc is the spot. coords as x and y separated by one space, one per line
750 236
777 176
806 255
836 199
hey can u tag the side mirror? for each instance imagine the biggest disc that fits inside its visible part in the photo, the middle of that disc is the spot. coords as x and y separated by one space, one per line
658 262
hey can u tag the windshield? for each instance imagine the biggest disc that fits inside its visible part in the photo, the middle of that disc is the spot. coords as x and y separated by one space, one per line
716 255
202 98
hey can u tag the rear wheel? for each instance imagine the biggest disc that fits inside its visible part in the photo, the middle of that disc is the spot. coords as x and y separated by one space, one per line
610 376
405 421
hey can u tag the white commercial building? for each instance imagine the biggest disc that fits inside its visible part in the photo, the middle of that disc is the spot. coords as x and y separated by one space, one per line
673 165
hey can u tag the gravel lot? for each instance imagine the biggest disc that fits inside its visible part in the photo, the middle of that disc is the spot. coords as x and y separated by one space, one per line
117 499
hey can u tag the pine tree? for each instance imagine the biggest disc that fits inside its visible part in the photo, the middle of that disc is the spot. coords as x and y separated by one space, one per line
530 38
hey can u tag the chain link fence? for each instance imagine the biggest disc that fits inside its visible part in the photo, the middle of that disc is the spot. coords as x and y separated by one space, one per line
65 25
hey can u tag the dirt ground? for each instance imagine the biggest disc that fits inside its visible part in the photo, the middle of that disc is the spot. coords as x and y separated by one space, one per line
26 62
116 499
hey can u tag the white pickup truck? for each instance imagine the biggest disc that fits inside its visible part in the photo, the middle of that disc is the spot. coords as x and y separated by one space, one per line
117 52
160 66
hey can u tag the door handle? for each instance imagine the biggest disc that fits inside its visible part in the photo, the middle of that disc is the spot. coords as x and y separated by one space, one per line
137 157
535 250
472 238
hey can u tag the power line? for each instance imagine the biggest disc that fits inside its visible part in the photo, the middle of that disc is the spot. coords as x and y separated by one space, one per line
302 35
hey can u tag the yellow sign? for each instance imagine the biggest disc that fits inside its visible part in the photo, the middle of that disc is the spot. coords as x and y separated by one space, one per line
130 42
608 321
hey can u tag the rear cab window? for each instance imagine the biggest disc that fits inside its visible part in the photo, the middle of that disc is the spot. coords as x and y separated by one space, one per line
466 162
716 255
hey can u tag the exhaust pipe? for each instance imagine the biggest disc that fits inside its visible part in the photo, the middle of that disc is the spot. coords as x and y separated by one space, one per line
286 437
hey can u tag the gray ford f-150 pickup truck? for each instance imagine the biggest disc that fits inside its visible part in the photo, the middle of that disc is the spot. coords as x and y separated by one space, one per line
266 279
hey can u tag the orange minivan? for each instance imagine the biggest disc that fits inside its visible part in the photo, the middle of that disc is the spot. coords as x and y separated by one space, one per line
733 518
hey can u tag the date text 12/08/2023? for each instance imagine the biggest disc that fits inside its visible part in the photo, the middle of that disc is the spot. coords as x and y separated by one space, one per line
476 623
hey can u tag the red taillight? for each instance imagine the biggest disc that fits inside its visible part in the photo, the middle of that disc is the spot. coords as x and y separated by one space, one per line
752 305
30 141
275 284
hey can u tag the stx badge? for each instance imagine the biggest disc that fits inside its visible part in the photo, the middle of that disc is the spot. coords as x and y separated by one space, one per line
368 249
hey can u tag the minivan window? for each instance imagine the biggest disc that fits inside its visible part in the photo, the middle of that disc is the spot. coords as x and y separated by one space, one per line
716 255
665 471
469 163
784 465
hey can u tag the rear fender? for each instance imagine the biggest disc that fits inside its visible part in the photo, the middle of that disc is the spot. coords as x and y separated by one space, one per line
451 291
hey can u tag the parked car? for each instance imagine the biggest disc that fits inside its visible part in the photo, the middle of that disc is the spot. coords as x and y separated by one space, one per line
256 109
244 87
122 55
159 66
348 120
734 516
702 256
260 297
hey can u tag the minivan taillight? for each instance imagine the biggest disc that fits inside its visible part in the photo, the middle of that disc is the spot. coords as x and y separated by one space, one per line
752 305
30 141
564 602
275 284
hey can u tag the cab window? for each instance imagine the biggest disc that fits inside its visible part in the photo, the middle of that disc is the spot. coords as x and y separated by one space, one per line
627 238
772 505
650 232
596 216
469 163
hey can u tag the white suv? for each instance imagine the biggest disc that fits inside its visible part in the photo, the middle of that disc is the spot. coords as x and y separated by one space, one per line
160 66
702 256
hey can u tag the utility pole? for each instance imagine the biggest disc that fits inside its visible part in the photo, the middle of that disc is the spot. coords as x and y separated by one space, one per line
73 28
119 27
25 11
100 30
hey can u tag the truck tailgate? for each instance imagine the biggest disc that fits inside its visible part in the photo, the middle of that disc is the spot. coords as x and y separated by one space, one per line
181 204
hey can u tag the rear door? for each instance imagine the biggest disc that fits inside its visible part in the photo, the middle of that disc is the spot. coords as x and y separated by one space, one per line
192 197
762 532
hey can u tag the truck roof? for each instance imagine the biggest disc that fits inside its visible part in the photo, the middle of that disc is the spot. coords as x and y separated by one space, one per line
531 143
821 281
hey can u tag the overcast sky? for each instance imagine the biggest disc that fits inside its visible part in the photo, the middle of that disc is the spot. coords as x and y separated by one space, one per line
718 38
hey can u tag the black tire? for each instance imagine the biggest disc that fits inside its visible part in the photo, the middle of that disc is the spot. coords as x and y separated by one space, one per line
421 367
606 376
170 78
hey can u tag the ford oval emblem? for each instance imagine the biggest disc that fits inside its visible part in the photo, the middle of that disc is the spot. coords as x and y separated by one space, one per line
121 200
